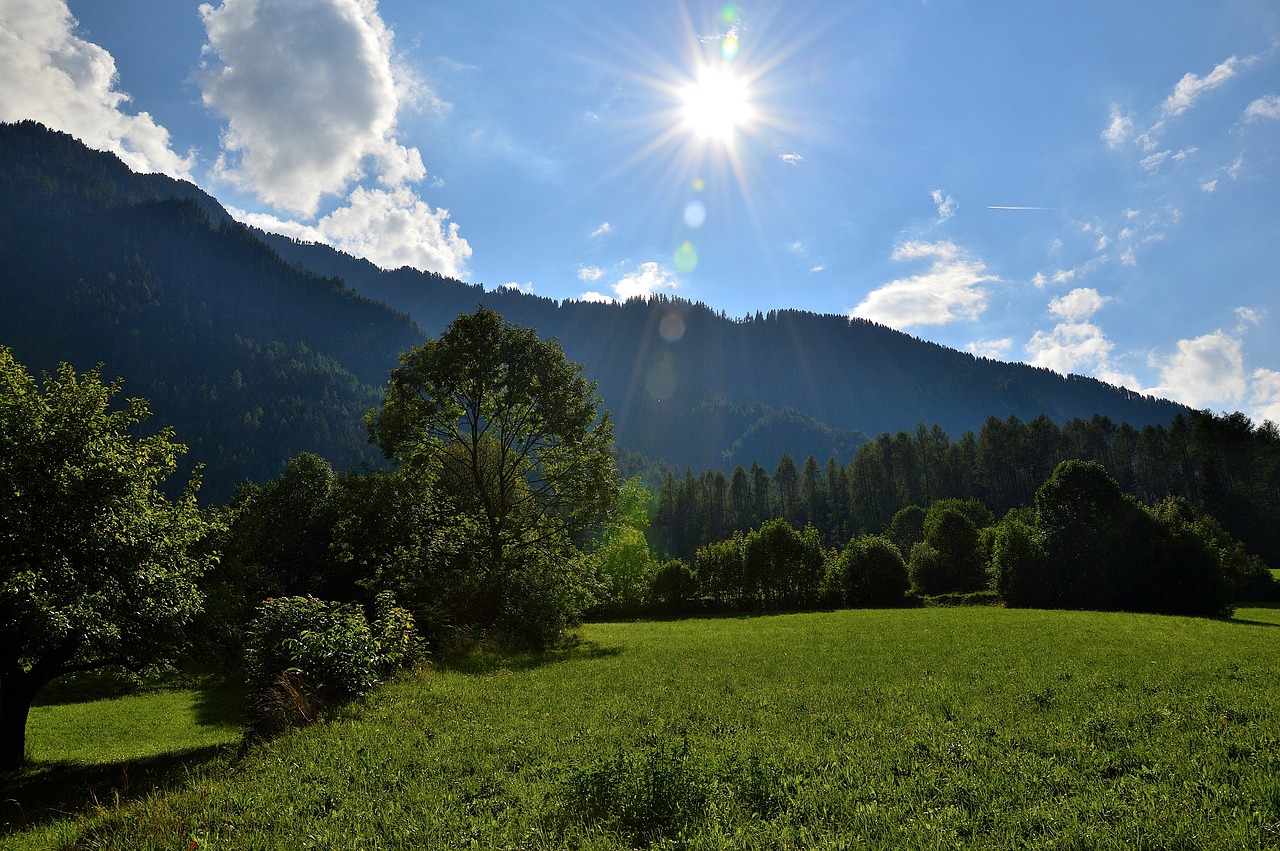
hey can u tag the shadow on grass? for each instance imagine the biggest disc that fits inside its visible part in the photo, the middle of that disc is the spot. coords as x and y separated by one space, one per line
487 660
1270 607
47 792
222 707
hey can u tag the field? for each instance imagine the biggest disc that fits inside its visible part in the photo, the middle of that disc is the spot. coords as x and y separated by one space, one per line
924 728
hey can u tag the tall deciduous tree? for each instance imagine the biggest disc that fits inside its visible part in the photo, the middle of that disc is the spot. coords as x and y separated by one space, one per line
97 565
517 436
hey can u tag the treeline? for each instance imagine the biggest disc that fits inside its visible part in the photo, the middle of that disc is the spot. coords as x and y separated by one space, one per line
1224 465
1082 544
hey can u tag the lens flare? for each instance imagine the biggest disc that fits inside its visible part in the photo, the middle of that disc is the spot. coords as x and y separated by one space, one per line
729 46
729 13
671 327
695 213
686 258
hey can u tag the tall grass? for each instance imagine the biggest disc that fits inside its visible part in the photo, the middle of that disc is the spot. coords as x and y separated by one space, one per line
927 728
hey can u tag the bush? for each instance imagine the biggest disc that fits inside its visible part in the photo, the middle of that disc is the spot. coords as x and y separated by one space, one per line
1018 565
304 654
674 588
870 571
950 558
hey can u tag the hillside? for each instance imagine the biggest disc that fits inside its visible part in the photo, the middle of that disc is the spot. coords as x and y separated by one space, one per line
255 347
697 388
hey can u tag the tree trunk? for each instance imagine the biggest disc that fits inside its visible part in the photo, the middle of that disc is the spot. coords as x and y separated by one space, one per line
16 694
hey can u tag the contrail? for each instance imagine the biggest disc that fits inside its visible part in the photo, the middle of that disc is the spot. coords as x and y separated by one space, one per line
1002 207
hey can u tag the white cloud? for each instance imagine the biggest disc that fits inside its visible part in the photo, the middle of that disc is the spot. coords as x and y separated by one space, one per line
1209 186
57 78
1265 395
1120 130
994 349
813 270
526 287
951 290
1071 347
1151 163
590 273
1248 316
311 95
395 228
644 281
946 205
308 94
1266 107
1079 304
1207 371
791 159
604 230
1190 88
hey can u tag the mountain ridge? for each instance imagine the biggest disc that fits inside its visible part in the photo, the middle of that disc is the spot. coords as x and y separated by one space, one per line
257 347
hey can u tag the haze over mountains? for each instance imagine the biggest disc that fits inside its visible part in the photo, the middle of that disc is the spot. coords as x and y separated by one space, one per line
256 348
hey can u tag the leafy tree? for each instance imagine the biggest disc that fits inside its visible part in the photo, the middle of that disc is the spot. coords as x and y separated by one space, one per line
906 529
870 571
516 437
623 560
959 565
97 565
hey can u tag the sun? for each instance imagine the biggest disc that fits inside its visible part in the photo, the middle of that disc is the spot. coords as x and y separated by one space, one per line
716 106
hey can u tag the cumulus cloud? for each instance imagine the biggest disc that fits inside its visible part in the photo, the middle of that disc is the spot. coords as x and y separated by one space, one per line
311 95
1204 372
949 291
946 205
644 281
71 84
526 287
395 228
791 159
1071 347
1266 107
604 230
308 92
1079 304
590 273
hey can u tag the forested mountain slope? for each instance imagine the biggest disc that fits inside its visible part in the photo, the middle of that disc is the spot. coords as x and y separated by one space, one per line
256 347
250 359
694 387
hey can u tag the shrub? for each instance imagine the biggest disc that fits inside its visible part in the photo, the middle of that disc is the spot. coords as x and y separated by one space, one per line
870 571
394 629
1018 564
951 561
674 588
303 654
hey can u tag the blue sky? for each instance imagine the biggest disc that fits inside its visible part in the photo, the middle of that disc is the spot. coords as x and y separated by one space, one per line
1086 186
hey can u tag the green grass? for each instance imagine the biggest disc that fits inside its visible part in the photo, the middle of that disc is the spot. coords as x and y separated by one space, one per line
926 728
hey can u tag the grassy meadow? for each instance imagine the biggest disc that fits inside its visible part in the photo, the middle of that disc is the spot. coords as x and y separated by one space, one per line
923 728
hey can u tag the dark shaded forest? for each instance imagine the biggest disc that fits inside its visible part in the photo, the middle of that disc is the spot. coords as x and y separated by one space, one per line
1223 464
257 348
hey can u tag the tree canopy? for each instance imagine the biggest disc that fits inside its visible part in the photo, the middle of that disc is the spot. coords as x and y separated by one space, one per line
513 435
97 565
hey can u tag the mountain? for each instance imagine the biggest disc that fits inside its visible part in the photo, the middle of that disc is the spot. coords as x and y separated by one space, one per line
256 347
693 387
250 359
